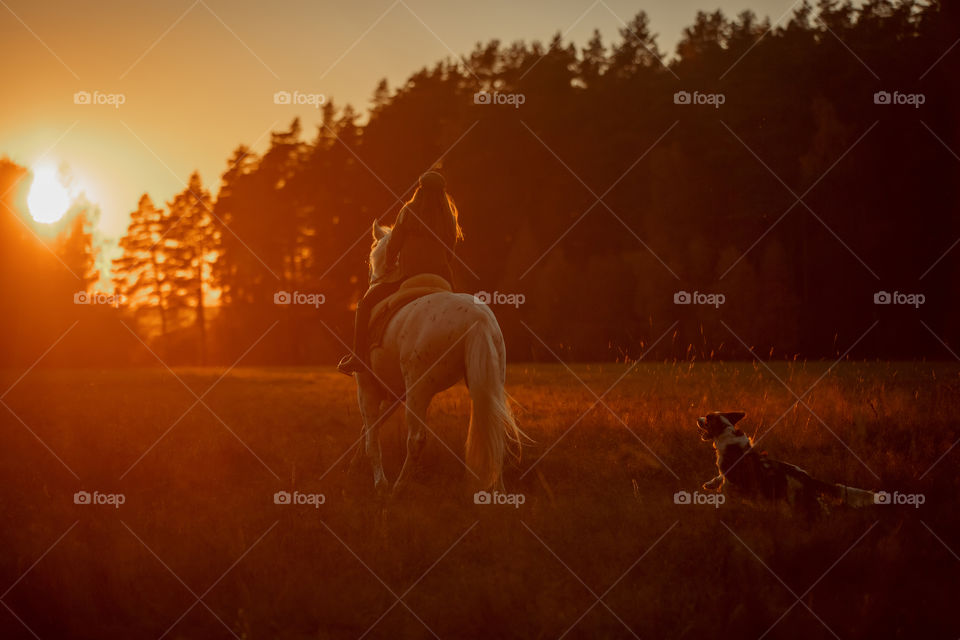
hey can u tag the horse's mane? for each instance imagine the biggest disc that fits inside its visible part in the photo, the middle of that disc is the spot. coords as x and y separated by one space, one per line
377 249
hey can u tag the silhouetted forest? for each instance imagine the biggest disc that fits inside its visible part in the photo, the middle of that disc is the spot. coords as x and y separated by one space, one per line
598 198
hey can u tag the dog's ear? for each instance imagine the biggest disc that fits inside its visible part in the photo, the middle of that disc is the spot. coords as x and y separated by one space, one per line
734 416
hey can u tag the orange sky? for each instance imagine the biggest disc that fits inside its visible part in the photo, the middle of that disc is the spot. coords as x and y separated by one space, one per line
198 76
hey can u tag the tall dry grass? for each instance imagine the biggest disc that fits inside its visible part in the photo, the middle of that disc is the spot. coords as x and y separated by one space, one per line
596 499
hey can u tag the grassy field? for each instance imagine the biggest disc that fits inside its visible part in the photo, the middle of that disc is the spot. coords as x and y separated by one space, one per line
598 549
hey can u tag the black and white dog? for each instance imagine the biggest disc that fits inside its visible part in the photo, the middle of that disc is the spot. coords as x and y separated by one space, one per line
750 474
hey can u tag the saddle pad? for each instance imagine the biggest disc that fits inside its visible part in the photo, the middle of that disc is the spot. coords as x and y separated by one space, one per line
412 288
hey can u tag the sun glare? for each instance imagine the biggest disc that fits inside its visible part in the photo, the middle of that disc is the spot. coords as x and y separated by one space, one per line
48 199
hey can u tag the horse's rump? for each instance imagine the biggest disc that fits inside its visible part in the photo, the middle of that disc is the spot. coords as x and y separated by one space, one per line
413 288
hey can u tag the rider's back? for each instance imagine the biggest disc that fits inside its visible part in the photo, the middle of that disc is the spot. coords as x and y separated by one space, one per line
424 245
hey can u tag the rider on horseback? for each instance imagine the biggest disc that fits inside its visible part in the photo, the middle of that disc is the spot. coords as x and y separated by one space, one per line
423 238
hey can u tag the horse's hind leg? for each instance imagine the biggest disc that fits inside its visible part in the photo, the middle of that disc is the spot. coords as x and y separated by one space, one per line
416 418
373 419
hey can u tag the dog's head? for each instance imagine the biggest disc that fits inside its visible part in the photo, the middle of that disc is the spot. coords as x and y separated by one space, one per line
713 425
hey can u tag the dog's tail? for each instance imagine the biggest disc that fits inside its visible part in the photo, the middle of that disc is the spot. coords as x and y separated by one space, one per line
857 498
837 494
849 496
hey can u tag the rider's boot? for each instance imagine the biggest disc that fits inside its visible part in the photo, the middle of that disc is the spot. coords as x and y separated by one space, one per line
349 365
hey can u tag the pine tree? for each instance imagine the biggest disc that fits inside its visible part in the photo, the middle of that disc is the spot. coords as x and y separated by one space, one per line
75 249
139 274
237 271
190 248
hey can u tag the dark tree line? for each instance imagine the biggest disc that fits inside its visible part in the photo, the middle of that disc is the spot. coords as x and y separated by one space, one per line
600 197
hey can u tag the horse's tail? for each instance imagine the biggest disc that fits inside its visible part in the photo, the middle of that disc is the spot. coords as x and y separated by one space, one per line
491 422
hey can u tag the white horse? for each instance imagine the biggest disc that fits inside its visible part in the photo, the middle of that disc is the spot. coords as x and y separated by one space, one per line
430 345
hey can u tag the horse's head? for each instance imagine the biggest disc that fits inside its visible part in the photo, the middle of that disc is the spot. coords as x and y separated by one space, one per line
378 251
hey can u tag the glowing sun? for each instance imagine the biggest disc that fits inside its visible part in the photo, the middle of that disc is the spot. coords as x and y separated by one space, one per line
48 199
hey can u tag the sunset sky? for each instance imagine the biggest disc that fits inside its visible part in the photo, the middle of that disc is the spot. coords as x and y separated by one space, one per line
198 76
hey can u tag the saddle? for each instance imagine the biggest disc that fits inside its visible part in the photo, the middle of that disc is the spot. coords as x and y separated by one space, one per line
413 288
